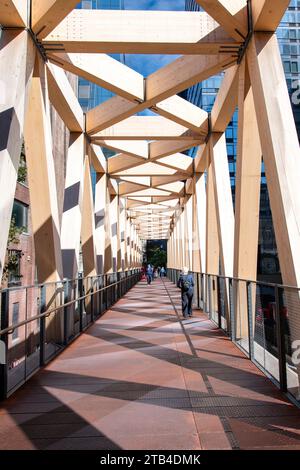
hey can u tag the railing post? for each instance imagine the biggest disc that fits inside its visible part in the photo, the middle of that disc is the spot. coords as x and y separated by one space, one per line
42 325
250 320
280 344
92 305
198 290
209 297
80 293
219 303
4 344
232 313
119 286
106 291
98 296
66 311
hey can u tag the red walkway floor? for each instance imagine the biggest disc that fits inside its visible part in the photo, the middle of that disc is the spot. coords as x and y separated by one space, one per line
141 379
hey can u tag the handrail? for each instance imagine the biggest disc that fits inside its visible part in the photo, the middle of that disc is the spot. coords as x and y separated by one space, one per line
9 330
260 325
269 284
62 281
101 291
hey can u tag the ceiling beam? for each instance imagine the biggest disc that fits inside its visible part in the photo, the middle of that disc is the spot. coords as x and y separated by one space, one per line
139 32
47 14
104 71
226 100
64 99
267 14
160 87
98 159
183 112
164 148
134 148
13 13
230 14
146 128
183 73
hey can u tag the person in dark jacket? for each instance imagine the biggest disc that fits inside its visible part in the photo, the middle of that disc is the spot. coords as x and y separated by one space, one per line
186 284
149 274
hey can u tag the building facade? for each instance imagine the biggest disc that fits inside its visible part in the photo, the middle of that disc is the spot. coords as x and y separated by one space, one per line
89 94
204 94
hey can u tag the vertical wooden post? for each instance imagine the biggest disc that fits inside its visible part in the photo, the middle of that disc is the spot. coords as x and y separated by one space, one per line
71 219
247 201
280 149
100 214
200 196
108 264
189 231
281 155
212 238
41 178
113 211
122 234
196 263
224 210
88 222
223 199
17 55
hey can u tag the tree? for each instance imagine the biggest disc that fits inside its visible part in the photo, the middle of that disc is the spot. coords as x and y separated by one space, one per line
22 170
157 257
12 258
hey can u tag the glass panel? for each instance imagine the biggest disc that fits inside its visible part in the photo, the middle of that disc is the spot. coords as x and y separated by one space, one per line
265 341
241 315
55 321
289 311
32 331
17 340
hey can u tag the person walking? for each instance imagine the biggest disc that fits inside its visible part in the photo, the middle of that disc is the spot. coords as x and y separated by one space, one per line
152 267
149 274
162 272
186 284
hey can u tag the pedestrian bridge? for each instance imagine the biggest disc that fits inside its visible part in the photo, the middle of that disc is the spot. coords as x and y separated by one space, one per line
142 378
90 356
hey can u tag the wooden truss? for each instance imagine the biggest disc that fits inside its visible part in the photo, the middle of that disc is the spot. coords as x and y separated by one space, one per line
150 188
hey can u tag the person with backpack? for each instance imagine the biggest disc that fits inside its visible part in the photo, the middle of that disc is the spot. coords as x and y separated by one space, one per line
186 284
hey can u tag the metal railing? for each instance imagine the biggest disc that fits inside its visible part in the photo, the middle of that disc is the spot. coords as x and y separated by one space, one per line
262 319
39 321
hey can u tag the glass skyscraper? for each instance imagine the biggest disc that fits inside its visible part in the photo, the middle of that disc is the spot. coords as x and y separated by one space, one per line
90 95
204 94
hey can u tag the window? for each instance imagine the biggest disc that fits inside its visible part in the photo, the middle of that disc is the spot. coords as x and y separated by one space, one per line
287 66
286 49
294 67
20 215
294 49
14 268
86 4
84 91
15 320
